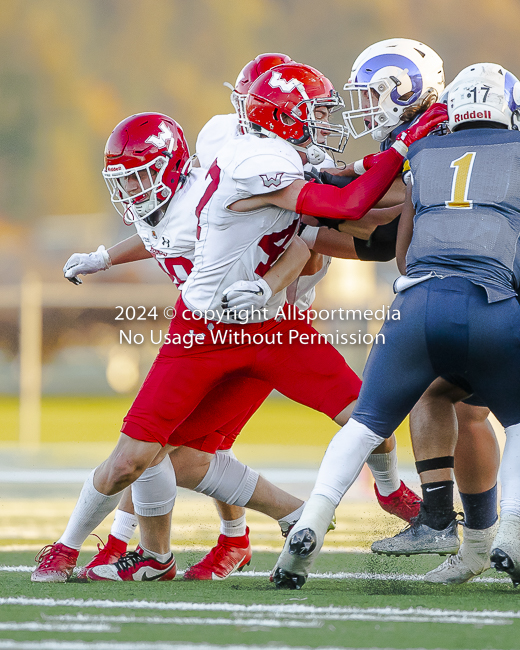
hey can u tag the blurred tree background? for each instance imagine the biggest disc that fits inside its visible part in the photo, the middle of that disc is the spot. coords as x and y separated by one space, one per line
70 70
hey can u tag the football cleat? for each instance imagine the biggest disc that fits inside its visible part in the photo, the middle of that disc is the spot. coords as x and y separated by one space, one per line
107 554
418 538
287 529
303 544
56 563
471 560
402 503
300 546
134 567
229 555
505 554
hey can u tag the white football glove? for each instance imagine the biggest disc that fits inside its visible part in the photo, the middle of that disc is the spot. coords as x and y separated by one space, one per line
86 263
246 295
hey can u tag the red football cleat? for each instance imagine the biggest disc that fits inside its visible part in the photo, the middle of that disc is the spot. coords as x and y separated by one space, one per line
134 567
107 554
402 503
229 555
56 563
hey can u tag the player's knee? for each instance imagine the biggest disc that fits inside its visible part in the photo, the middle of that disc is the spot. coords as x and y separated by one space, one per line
154 492
126 469
228 480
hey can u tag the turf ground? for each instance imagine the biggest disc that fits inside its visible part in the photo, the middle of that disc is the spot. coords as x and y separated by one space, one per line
356 600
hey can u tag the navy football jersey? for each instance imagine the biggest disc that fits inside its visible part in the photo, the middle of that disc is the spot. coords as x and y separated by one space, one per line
466 193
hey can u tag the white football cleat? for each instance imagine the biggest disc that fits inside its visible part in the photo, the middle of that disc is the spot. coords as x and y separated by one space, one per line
303 544
471 560
505 553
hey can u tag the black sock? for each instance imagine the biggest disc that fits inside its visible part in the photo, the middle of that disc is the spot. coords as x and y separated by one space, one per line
480 510
437 509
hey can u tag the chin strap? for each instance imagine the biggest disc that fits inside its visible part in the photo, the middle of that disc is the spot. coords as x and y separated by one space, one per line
315 155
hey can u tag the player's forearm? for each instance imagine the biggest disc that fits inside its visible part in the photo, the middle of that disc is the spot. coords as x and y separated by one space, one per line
314 264
363 228
395 195
348 170
289 266
128 250
357 198
335 243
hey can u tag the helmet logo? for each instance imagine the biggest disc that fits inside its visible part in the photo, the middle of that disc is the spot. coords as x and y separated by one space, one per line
164 136
276 81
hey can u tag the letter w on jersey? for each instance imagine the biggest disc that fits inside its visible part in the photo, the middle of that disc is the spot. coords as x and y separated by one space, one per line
269 180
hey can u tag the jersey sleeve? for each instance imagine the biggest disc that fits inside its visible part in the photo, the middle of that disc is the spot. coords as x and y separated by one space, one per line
265 173
213 136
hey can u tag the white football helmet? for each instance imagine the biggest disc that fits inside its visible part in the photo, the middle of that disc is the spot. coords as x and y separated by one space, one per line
386 79
484 92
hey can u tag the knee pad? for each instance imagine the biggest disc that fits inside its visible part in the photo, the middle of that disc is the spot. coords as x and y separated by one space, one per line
228 480
155 490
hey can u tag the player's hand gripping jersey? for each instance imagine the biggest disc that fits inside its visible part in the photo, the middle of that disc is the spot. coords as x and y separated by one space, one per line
233 245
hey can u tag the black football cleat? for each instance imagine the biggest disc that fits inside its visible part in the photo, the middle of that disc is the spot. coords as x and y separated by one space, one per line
287 580
502 562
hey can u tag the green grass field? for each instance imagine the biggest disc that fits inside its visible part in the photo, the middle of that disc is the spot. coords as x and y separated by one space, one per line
357 600
365 601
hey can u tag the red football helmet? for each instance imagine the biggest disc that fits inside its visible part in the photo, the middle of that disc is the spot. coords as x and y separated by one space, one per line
145 157
250 73
281 103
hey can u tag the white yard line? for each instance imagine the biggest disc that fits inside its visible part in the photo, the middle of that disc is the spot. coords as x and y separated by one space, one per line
35 626
294 620
191 620
153 645
288 611
342 575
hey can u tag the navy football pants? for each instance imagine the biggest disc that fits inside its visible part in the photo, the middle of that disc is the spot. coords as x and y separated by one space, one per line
447 327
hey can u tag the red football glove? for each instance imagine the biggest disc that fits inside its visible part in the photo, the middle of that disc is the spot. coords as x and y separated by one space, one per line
428 121
366 163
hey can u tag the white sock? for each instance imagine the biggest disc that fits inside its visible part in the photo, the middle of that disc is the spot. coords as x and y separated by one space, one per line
345 456
384 471
509 474
160 557
124 526
290 519
92 507
233 527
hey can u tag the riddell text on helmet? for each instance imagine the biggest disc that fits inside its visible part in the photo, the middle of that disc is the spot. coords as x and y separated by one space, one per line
474 115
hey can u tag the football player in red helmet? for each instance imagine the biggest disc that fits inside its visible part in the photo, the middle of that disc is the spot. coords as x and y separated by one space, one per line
295 102
144 171
217 131
144 160
250 73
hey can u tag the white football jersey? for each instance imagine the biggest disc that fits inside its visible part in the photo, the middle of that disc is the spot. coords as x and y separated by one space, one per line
213 136
236 246
172 240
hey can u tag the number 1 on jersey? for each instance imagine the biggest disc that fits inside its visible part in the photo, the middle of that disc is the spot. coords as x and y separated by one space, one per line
459 190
